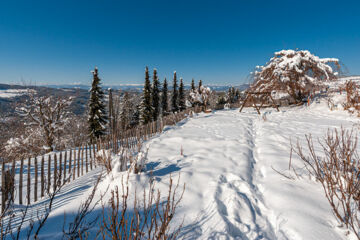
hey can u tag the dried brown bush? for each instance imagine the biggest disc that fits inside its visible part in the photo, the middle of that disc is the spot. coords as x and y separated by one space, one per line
352 97
148 218
103 157
338 171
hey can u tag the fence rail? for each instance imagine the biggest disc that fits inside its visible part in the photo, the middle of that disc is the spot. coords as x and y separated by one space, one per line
22 176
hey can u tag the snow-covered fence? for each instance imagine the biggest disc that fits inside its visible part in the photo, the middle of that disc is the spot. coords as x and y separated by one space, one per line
33 182
25 178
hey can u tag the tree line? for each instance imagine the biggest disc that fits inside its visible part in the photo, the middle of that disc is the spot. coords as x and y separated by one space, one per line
156 101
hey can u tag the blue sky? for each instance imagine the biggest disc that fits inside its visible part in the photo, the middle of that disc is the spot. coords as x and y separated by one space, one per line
220 42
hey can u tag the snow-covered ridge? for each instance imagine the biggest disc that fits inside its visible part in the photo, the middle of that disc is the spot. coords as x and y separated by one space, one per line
10 93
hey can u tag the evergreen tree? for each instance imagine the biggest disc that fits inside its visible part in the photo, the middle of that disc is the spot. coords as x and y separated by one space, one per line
164 98
174 99
146 107
237 94
155 96
200 84
111 111
182 105
193 85
97 118
233 94
125 114
135 118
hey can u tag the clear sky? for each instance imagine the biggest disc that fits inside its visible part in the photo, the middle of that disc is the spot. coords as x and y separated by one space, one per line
57 42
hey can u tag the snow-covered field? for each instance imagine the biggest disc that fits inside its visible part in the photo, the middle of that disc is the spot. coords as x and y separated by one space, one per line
232 191
10 93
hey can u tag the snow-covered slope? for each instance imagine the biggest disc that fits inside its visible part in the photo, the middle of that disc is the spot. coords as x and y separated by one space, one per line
232 191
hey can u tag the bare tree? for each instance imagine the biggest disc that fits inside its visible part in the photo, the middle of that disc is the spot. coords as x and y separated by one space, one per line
47 117
294 72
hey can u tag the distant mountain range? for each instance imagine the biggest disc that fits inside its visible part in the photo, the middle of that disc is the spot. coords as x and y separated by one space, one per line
12 95
138 87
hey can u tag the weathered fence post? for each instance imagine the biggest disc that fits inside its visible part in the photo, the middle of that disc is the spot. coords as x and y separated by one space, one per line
21 181
74 165
55 173
70 161
42 176
3 184
28 181
91 157
94 151
82 160
86 157
13 179
60 168
65 157
78 162
49 174
36 180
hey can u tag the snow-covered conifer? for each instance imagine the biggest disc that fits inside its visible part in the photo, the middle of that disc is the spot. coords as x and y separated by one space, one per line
193 85
97 118
164 98
135 117
125 112
111 112
155 96
174 98
199 97
182 105
146 106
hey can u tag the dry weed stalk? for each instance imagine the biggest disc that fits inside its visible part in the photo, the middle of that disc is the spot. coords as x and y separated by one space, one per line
149 218
79 227
103 157
338 171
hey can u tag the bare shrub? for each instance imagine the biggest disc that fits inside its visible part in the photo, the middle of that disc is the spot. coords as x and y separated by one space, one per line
79 227
352 97
338 171
104 158
149 218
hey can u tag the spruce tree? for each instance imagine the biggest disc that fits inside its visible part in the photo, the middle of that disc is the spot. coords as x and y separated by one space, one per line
182 105
97 118
111 112
135 118
164 98
200 84
126 109
155 96
237 95
174 99
146 107
193 85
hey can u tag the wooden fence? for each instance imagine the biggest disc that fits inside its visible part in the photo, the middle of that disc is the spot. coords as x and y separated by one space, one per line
46 172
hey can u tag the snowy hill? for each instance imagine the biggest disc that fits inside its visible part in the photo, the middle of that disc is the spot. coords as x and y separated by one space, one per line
232 190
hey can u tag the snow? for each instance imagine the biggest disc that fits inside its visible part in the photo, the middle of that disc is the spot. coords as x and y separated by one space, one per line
10 93
232 191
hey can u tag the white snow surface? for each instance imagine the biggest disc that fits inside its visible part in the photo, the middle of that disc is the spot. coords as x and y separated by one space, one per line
10 93
232 191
